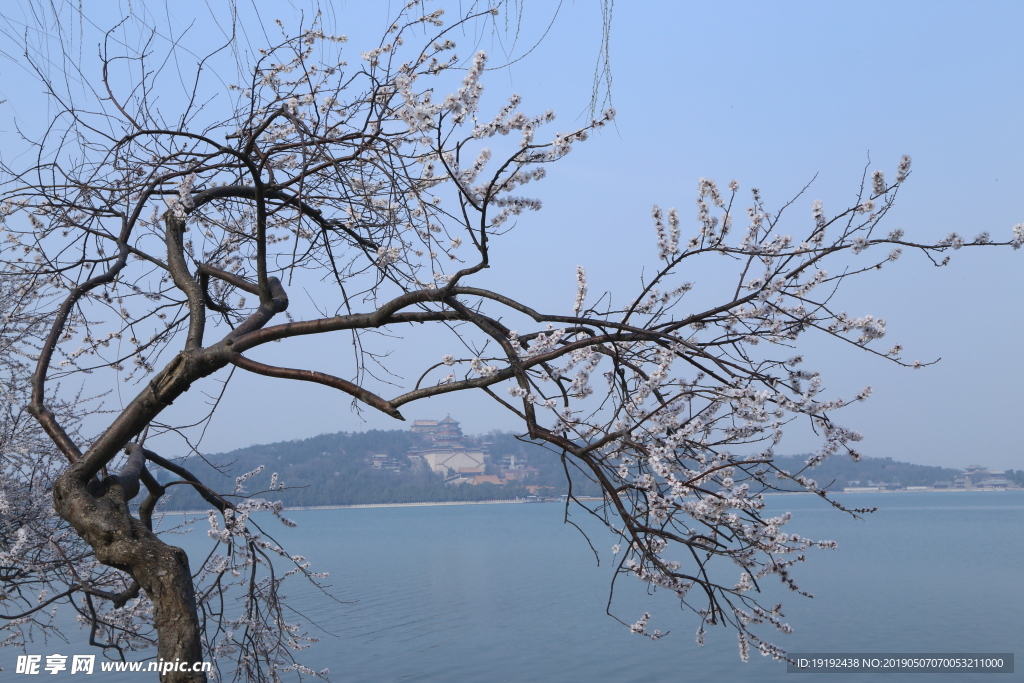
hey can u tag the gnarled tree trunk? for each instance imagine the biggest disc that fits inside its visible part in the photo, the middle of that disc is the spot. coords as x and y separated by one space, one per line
98 511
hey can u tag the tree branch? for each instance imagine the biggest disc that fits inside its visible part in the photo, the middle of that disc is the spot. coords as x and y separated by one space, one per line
358 392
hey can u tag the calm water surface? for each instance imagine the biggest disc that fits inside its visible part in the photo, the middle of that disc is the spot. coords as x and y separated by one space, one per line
509 593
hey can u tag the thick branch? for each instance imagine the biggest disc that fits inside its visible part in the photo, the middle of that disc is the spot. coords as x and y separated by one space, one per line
358 392
230 278
37 407
149 504
119 599
476 383
175 229
208 495
175 379
386 314
129 475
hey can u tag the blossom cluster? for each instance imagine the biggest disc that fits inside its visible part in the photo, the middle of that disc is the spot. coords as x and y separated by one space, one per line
682 431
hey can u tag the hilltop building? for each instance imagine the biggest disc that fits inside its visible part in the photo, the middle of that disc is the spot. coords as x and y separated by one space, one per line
447 455
424 427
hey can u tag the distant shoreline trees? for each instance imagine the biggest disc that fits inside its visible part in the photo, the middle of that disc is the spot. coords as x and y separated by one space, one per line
333 469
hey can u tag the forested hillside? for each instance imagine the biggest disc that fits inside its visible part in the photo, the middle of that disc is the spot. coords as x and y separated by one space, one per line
839 472
338 469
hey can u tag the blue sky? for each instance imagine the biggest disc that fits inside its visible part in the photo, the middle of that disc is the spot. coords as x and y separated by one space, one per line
771 94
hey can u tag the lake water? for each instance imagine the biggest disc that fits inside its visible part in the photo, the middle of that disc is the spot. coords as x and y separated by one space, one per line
509 593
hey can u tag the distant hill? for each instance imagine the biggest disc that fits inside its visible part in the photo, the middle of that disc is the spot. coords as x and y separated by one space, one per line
339 469
839 472
352 468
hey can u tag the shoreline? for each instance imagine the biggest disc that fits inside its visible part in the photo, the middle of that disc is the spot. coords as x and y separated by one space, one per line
906 490
925 489
374 505
517 501
501 501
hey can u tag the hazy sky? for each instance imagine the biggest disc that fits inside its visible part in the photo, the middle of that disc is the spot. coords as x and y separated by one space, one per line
770 94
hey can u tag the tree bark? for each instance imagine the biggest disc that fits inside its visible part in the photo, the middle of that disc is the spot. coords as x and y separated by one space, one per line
98 511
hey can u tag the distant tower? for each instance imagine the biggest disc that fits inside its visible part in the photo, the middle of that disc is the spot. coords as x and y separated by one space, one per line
448 433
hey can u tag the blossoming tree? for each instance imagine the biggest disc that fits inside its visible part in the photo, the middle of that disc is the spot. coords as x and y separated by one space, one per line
170 241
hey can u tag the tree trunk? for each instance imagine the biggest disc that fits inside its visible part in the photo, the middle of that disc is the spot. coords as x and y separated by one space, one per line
99 513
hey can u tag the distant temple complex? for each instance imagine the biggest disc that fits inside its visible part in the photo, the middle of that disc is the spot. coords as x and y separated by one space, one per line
976 476
973 478
446 454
